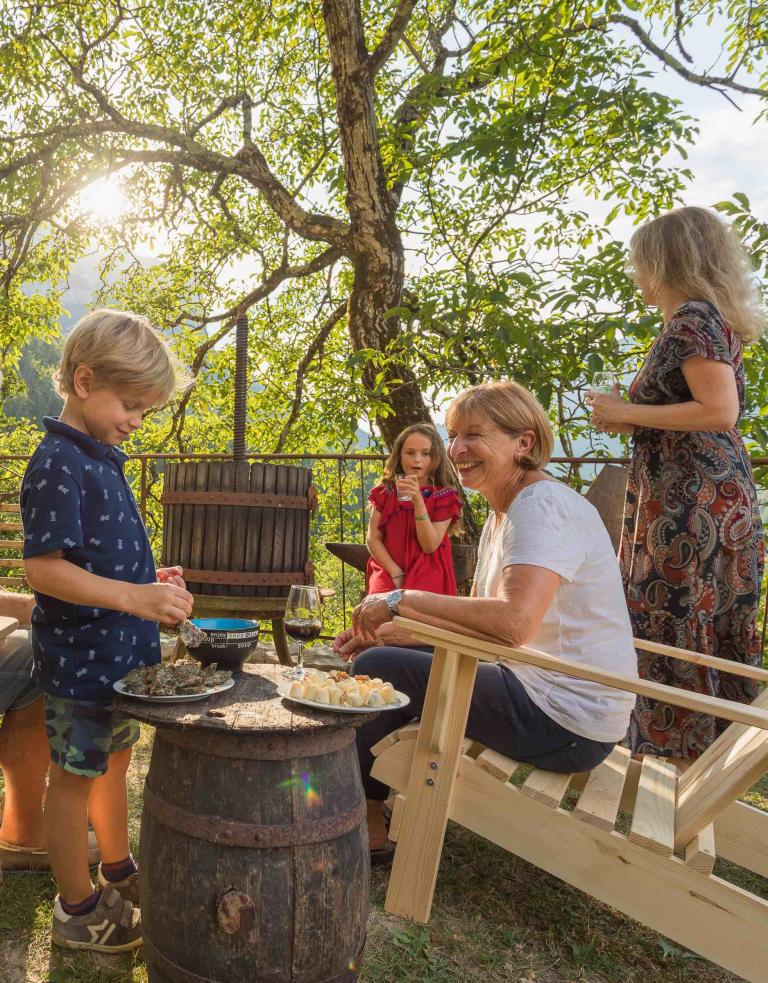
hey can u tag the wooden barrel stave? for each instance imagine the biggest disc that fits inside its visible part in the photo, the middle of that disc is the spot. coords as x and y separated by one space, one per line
322 881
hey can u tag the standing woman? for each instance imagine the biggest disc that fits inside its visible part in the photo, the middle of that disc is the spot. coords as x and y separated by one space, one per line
692 546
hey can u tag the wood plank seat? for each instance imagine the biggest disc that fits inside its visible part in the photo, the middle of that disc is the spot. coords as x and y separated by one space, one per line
638 871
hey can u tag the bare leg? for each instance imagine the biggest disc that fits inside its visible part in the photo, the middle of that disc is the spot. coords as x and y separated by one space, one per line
66 832
377 828
24 758
108 808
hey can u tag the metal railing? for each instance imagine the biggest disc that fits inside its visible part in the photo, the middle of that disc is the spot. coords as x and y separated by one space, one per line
343 482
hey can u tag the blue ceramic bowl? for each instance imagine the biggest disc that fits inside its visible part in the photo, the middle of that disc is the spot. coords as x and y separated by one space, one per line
230 641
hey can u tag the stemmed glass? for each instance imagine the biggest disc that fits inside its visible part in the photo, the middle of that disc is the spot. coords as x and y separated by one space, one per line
603 383
303 623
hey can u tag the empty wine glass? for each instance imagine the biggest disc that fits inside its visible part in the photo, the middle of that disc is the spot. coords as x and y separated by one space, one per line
303 623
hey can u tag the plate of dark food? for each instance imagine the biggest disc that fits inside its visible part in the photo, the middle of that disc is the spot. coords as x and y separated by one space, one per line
175 682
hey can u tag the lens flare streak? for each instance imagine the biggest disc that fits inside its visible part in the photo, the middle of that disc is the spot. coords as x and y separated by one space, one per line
311 795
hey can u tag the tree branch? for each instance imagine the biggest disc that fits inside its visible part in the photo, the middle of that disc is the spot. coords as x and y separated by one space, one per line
717 82
316 346
392 36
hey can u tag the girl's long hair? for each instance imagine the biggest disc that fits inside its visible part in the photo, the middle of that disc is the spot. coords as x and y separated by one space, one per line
442 475
692 250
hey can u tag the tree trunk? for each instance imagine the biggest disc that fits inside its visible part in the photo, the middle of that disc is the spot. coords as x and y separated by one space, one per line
375 246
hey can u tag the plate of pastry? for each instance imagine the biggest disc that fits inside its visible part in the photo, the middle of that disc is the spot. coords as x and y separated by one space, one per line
342 693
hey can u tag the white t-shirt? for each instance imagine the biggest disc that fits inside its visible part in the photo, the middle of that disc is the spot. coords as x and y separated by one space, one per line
550 525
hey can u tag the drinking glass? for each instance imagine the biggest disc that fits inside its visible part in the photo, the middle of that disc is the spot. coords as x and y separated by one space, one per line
603 383
303 623
400 496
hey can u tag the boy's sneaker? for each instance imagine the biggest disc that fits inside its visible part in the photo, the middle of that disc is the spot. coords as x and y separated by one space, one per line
128 889
113 926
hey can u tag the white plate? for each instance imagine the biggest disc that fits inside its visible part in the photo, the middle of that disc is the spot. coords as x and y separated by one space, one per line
284 689
119 687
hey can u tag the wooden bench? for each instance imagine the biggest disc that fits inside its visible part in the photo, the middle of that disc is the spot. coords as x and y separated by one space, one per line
11 545
659 871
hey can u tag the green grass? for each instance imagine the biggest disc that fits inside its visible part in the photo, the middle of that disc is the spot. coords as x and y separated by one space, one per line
495 917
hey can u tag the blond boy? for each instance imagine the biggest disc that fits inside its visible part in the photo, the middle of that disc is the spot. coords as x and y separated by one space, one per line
88 559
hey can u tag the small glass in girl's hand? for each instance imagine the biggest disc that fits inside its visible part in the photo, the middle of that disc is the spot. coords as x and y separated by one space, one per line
402 496
603 383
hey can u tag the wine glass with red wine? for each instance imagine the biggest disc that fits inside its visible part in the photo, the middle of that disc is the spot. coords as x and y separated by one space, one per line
303 623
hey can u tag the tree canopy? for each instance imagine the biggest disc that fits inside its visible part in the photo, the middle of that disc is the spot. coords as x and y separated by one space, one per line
394 191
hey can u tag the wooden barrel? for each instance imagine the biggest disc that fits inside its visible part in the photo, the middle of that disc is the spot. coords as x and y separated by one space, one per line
254 847
607 493
238 529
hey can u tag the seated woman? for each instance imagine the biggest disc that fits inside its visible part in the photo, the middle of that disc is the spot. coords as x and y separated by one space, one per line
546 576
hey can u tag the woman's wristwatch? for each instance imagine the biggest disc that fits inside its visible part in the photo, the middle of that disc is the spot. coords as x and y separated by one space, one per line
392 599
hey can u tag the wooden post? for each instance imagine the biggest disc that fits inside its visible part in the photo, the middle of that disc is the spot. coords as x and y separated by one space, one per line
430 786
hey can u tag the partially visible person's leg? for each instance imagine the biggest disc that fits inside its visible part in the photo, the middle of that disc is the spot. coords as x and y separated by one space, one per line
81 736
108 808
24 756
66 833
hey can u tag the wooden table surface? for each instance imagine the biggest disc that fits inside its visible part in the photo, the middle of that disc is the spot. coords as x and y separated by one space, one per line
252 706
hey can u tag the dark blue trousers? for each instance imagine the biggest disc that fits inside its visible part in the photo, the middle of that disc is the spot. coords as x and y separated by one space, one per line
501 716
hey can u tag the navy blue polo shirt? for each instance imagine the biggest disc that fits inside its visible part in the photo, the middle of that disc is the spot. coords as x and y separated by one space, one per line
75 498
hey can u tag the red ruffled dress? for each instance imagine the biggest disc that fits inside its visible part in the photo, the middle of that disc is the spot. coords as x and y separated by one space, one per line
423 571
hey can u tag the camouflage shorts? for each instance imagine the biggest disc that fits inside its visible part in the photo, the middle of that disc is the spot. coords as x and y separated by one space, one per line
82 734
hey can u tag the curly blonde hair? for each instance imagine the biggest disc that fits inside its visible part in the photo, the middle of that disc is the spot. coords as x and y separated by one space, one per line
692 250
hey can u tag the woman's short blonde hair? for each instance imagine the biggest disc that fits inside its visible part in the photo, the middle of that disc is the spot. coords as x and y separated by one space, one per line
513 409
692 250
124 352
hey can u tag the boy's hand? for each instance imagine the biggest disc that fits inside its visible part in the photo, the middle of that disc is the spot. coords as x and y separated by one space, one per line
171 575
165 603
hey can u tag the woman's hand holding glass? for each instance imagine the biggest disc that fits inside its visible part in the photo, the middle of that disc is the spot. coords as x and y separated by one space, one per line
609 410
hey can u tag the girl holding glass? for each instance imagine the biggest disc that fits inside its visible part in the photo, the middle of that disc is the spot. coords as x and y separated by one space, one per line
692 547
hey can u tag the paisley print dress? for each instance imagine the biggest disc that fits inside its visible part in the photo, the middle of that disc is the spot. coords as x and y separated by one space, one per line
692 546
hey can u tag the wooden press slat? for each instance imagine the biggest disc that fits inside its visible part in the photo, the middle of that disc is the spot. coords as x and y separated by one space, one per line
11 544
281 520
267 551
11 527
199 520
224 535
653 821
239 526
170 555
497 764
306 484
700 852
165 551
547 787
211 524
9 507
12 581
254 526
291 557
599 802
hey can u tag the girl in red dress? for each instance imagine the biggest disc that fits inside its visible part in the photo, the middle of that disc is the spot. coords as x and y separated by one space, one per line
411 517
